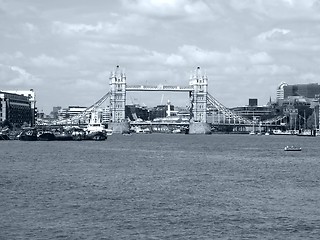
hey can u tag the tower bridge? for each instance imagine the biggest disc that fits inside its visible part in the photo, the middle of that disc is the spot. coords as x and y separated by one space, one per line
205 110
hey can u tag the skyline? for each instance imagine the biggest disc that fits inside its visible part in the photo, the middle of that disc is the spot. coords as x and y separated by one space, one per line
65 50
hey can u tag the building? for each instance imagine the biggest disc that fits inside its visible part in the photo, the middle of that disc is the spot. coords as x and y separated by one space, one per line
135 112
253 102
309 90
106 115
280 91
69 112
16 109
30 94
160 111
255 112
54 112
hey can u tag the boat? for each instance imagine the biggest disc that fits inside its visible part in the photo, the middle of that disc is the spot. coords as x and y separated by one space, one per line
288 132
63 136
109 131
78 134
4 136
46 136
95 130
307 133
28 134
292 148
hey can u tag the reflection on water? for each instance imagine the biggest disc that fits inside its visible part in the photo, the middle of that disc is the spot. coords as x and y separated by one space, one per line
161 186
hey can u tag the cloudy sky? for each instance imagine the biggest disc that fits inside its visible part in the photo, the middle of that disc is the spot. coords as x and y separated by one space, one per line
65 49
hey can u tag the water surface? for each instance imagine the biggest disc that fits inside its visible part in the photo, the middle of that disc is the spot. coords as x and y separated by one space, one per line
161 186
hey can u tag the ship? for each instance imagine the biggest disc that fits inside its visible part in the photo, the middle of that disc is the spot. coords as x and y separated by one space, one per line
95 130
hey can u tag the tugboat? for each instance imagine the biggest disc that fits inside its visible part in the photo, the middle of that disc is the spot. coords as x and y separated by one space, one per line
95 130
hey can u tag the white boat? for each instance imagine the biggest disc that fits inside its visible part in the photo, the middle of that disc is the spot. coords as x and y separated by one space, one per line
95 130
288 132
109 132
292 148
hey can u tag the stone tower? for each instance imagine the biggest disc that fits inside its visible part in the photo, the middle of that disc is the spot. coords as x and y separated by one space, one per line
118 95
198 96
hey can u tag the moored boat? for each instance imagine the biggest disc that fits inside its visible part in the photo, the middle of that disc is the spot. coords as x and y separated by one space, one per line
28 134
78 134
46 136
63 136
307 133
95 130
4 136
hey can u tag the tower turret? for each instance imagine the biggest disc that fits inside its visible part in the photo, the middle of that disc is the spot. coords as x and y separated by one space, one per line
118 95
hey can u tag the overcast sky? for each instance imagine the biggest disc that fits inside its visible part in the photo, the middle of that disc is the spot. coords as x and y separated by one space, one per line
65 49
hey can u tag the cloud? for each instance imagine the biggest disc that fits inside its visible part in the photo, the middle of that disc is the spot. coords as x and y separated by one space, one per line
274 34
168 9
30 27
17 76
115 28
279 9
67 28
175 60
194 54
15 56
44 61
260 58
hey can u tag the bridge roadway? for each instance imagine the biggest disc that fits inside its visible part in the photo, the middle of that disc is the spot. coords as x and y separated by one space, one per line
148 123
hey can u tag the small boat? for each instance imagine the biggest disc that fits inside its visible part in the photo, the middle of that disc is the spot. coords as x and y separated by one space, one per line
63 136
292 148
46 136
28 134
4 136
78 134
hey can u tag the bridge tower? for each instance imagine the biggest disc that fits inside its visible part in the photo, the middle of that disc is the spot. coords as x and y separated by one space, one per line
118 95
198 96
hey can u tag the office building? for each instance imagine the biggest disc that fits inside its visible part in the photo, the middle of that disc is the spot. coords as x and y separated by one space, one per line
16 109
30 94
280 91
309 90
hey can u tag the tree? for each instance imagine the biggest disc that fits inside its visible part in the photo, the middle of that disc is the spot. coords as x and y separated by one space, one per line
7 123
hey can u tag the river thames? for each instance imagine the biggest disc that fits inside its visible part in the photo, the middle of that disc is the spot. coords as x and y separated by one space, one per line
161 186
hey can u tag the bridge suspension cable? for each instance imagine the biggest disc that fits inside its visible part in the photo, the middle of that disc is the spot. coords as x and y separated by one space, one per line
225 111
86 111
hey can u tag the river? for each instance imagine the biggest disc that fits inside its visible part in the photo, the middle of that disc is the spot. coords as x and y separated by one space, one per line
161 186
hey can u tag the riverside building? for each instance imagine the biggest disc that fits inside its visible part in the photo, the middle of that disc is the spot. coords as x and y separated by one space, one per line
16 109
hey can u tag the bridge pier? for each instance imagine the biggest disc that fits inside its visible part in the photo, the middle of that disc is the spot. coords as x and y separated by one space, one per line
119 127
199 128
